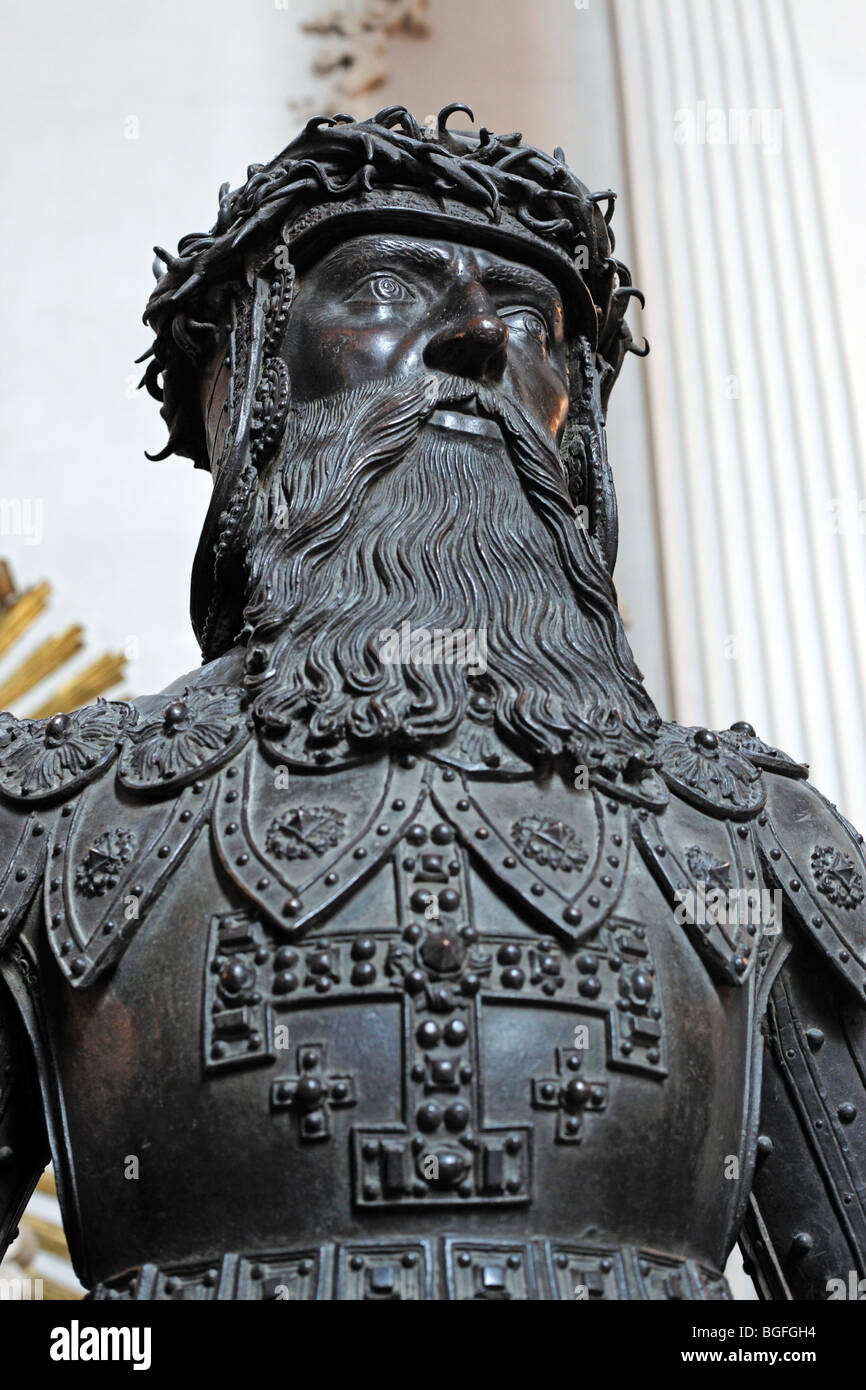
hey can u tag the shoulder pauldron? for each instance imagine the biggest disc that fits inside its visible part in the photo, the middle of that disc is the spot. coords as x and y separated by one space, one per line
762 826
811 853
101 806
703 849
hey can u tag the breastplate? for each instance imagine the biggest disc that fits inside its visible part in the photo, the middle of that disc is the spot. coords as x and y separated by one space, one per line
395 1032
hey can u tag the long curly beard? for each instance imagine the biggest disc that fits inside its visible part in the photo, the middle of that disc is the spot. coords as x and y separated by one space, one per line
374 522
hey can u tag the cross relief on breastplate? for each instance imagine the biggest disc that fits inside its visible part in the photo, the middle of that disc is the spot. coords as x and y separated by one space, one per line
441 971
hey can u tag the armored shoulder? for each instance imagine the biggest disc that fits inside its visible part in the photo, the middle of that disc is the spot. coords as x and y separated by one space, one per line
701 841
100 805
43 764
815 857
805 848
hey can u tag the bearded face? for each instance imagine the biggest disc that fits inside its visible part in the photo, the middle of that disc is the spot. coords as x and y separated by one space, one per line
418 561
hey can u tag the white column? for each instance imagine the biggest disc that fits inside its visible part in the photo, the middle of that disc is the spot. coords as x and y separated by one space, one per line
752 421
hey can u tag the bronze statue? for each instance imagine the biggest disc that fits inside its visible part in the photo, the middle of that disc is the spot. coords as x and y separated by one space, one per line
404 951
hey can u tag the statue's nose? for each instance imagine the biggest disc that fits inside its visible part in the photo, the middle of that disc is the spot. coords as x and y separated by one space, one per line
472 345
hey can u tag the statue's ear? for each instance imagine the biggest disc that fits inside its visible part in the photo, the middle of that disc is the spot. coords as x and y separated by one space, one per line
584 449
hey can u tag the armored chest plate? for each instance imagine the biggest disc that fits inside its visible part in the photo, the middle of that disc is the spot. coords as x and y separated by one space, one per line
491 1008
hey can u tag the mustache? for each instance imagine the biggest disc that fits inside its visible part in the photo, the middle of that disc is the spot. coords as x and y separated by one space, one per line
336 442
397 407
518 426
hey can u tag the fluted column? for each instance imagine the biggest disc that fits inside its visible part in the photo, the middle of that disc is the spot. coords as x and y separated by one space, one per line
751 414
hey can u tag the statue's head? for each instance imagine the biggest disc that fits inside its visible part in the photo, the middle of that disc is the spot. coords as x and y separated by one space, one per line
394 352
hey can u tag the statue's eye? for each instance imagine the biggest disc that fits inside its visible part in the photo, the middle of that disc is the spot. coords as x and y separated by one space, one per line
529 322
384 289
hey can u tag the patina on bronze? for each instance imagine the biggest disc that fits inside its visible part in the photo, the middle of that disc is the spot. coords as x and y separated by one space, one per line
404 951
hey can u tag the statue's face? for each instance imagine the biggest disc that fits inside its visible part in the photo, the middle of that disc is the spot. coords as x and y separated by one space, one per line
389 305
407 508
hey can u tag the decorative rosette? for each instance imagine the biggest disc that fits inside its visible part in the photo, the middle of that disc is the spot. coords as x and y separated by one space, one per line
41 757
193 735
549 842
743 737
710 771
305 830
837 877
103 864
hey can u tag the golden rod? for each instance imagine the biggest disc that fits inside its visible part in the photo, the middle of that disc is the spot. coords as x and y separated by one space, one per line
46 658
20 612
96 678
47 1183
48 1233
